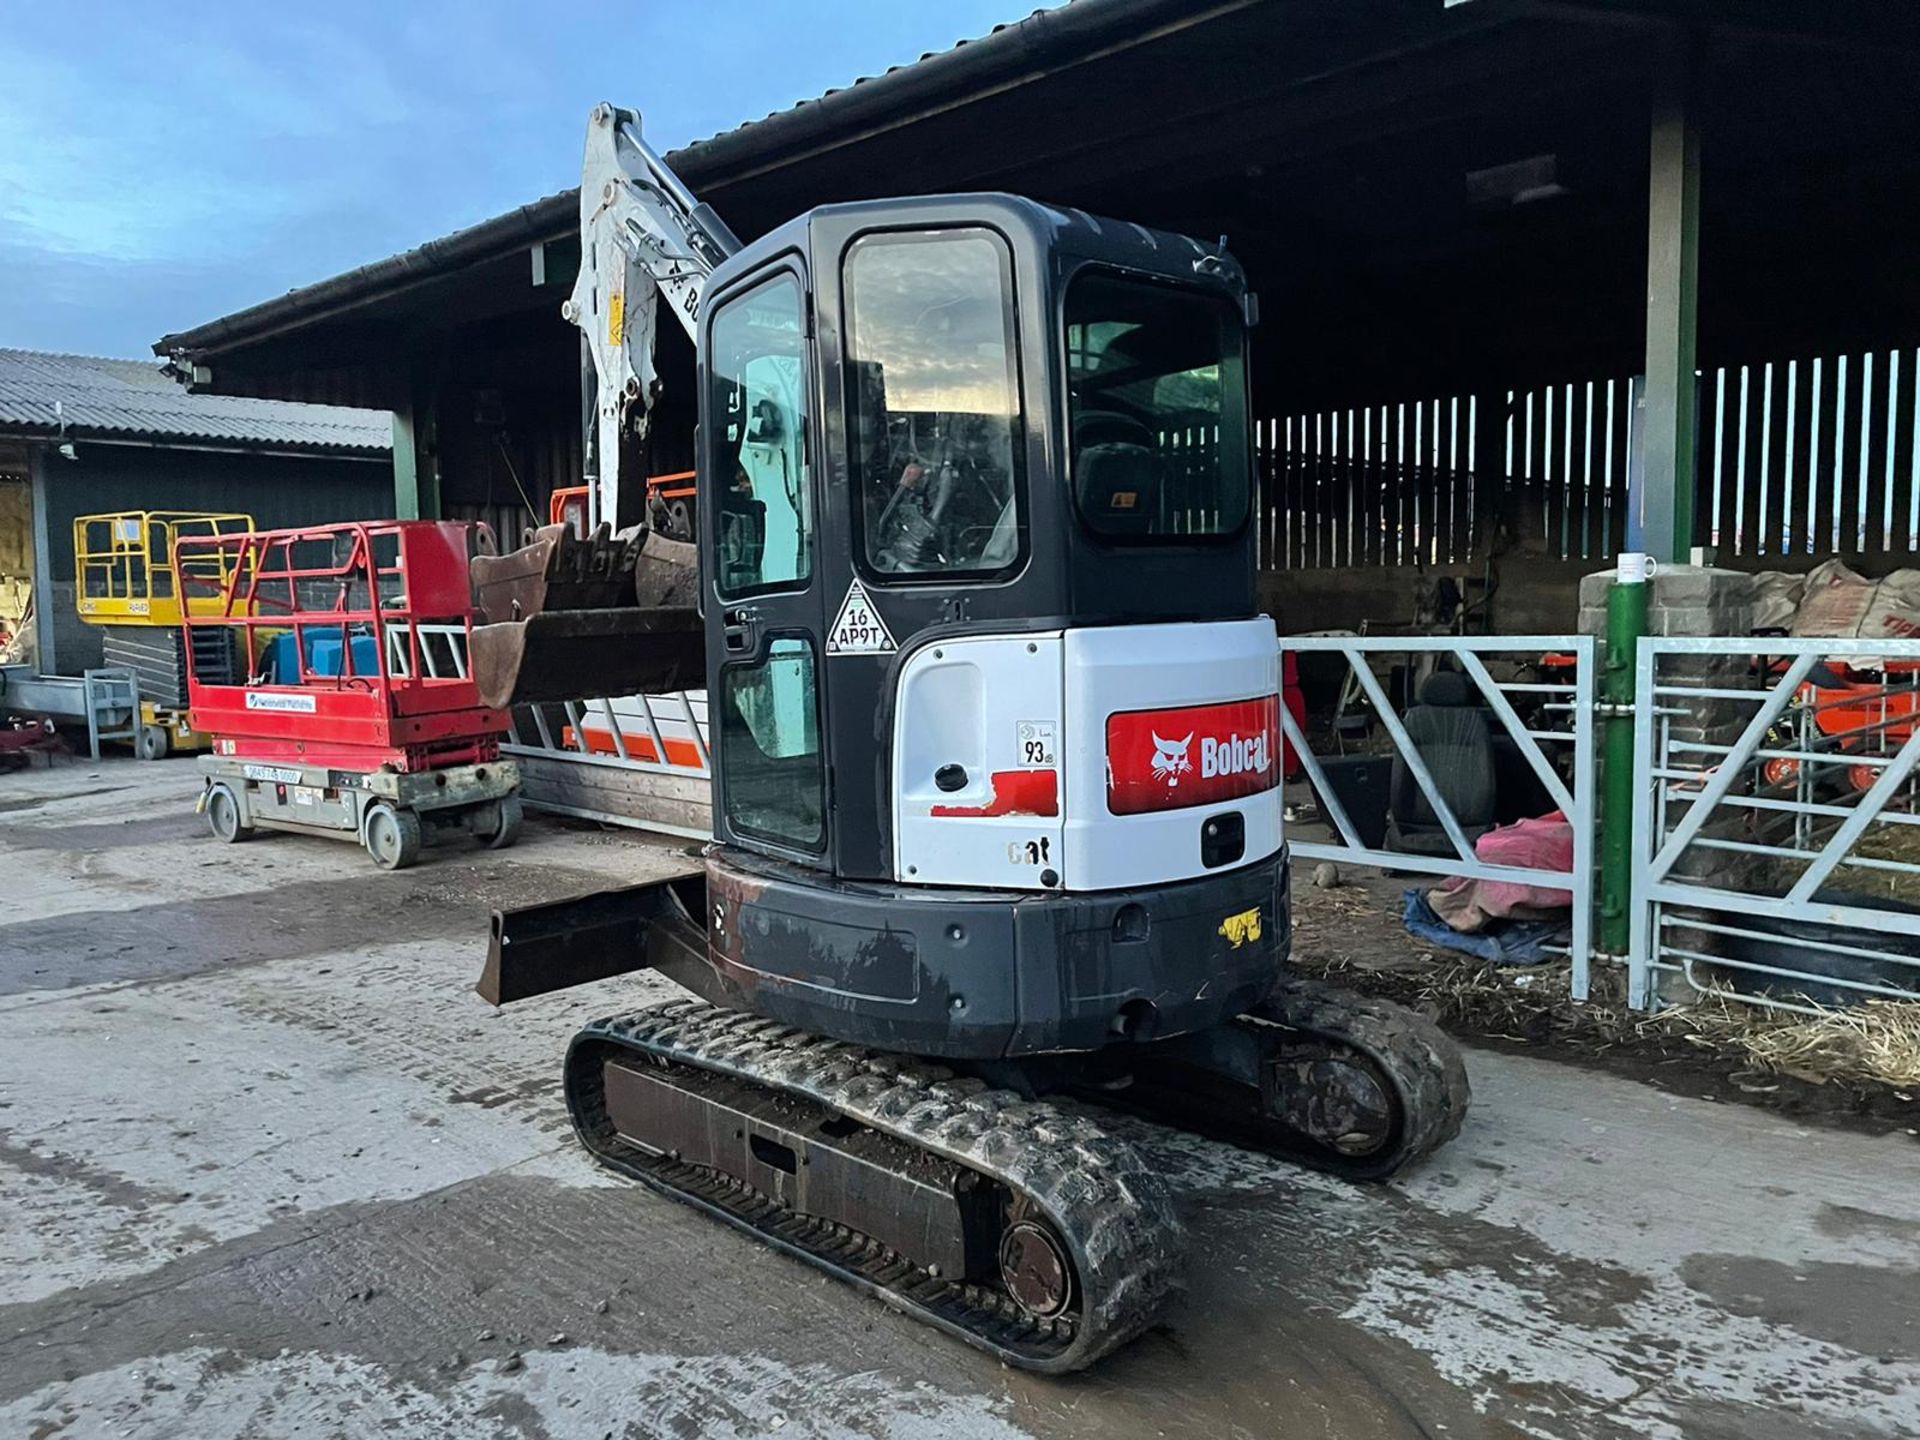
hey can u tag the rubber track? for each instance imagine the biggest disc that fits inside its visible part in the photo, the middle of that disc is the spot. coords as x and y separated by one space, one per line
1421 1060
1114 1214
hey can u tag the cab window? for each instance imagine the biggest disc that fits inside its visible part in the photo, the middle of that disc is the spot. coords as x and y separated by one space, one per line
1157 407
772 776
757 405
933 387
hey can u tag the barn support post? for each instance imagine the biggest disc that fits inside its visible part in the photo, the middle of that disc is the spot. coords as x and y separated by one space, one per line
40 517
1661 477
416 466
1665 502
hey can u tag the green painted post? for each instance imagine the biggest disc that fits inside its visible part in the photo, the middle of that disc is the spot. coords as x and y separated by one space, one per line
1661 478
406 473
416 470
1626 623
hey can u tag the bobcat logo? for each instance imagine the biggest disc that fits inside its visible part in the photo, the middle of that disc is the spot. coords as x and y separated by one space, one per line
1170 760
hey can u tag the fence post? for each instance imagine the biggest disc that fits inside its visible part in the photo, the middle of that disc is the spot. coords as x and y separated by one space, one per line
1626 623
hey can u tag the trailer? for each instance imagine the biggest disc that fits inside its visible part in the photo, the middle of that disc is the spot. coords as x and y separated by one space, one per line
105 701
337 718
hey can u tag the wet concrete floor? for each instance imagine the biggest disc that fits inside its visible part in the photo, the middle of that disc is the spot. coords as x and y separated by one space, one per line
270 1169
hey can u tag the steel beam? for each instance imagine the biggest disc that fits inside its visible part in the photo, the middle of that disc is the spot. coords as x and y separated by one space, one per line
40 522
406 474
1665 498
416 466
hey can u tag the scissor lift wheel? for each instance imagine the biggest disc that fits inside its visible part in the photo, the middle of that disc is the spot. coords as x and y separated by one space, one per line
155 743
393 836
507 828
224 816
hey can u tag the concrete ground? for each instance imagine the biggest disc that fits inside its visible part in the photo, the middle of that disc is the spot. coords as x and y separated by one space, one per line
270 1168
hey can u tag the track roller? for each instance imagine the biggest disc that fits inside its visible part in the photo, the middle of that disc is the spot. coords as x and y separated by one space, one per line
1326 1077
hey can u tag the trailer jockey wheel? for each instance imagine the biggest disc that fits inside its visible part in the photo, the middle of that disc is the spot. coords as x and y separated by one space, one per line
507 826
223 816
393 837
154 743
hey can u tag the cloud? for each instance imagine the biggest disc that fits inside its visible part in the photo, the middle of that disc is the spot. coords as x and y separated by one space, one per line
163 165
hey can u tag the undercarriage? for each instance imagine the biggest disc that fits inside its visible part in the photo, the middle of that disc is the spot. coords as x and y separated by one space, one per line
987 1197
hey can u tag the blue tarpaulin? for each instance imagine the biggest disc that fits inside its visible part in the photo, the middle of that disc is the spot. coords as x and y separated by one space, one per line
1503 942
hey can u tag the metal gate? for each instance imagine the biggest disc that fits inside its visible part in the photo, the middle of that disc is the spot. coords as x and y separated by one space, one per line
1776 826
1548 720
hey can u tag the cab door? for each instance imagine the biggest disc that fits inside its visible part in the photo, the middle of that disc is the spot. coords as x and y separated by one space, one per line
759 509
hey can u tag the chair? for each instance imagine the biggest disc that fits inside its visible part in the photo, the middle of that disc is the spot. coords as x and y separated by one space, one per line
1454 738
1116 472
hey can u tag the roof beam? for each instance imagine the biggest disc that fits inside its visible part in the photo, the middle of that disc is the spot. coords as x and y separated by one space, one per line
1830 24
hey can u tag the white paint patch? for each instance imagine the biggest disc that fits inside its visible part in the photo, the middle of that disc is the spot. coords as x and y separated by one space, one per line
44 884
1671 1349
575 1395
52 1236
1586 1170
1645 1178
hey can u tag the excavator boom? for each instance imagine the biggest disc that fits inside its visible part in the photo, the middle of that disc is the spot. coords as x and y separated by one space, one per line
643 239
615 604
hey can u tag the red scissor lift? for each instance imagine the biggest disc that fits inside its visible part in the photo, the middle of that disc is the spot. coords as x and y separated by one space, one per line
356 718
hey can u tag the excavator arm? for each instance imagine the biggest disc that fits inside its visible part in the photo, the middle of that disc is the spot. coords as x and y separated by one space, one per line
644 239
617 606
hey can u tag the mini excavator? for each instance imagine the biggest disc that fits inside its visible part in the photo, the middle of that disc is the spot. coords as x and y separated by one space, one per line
997 813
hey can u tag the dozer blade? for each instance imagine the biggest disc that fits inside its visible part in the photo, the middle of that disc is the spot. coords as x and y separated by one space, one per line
538 949
581 654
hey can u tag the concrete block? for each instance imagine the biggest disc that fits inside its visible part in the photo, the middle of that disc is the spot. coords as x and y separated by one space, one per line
1695 585
1718 726
1701 620
1594 588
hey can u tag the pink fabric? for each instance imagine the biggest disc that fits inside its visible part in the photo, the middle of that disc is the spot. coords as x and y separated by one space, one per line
1542 843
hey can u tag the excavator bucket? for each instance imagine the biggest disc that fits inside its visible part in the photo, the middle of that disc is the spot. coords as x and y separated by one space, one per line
563 618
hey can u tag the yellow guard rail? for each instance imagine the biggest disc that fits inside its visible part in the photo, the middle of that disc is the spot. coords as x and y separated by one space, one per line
123 564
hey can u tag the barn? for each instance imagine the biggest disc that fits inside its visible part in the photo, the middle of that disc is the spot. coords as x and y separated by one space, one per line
82 435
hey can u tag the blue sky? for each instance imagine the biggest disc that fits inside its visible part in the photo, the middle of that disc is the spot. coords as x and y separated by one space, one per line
161 165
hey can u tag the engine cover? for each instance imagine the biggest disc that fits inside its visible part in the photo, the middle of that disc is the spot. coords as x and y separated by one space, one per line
1092 758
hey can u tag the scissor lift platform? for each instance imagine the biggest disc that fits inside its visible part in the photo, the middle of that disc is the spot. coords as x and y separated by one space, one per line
338 722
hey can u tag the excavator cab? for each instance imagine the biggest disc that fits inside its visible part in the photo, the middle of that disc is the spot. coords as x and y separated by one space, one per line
977 579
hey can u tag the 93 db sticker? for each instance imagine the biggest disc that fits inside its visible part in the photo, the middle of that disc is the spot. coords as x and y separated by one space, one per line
1034 741
858 628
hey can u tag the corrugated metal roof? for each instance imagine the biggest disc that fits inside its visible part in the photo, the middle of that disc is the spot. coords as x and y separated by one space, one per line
137 399
1044 42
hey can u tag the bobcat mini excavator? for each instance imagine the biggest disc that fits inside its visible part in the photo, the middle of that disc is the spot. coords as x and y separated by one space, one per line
996 821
